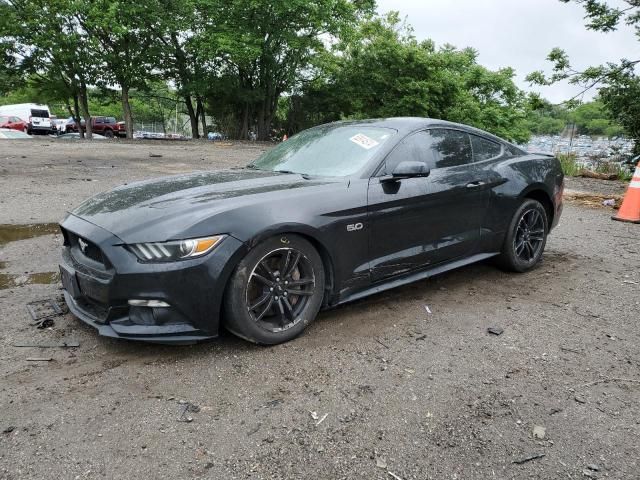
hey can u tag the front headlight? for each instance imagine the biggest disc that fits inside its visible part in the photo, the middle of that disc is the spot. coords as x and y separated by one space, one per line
174 250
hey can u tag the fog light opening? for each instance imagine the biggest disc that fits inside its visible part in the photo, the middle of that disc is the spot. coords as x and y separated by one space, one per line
148 303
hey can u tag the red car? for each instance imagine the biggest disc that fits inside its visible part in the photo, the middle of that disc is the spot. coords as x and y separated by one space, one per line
14 123
107 126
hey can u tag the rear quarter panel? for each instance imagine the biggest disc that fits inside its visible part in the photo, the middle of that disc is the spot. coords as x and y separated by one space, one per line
516 178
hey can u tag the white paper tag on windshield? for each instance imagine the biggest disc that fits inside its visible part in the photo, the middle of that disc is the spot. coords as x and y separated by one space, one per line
364 141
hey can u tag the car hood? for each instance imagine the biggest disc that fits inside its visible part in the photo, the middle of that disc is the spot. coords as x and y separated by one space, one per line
169 207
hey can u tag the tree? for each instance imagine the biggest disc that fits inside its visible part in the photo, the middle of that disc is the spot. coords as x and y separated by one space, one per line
50 48
119 38
266 48
381 70
618 81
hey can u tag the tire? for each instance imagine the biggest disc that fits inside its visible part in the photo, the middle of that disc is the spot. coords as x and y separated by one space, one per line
526 237
108 133
260 304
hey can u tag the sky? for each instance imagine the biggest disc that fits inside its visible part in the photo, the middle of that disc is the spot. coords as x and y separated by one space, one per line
519 34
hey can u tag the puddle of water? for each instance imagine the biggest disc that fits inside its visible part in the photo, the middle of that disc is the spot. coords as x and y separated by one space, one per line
10 280
12 233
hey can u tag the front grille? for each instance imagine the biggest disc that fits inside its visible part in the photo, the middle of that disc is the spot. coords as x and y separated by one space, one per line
87 248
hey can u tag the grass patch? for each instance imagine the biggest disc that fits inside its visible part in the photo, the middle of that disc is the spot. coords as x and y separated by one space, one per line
623 173
569 166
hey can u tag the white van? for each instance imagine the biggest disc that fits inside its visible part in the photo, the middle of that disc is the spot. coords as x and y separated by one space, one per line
36 116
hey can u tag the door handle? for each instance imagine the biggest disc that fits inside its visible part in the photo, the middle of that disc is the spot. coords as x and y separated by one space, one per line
477 183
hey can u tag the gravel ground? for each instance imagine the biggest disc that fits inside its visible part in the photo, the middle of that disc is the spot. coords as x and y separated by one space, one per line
378 389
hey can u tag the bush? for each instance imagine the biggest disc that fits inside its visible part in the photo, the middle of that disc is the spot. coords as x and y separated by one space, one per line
569 166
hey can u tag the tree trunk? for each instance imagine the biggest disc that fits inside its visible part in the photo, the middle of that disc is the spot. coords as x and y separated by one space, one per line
203 117
84 107
244 131
192 117
126 110
76 114
265 117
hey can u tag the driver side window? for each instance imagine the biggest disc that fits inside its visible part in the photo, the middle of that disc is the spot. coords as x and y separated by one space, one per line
414 148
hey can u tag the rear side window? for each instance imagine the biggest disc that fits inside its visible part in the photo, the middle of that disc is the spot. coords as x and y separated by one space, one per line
110 120
484 149
39 113
99 120
513 151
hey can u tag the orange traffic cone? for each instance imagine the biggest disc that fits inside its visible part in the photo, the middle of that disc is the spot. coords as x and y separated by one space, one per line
630 209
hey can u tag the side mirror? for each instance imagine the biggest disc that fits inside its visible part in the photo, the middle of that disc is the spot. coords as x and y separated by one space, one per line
409 170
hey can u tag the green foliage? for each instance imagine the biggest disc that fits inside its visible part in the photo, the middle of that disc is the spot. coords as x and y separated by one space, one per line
569 166
381 70
617 81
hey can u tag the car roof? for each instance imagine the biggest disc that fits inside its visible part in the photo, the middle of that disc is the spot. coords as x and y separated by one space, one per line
405 125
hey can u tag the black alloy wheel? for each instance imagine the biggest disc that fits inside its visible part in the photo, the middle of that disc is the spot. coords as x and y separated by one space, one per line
275 291
279 289
526 237
530 235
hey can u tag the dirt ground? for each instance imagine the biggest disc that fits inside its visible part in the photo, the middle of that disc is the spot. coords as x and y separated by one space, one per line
378 389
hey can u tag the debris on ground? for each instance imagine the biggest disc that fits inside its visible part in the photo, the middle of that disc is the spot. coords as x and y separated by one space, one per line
9 429
69 344
594 467
380 462
579 399
610 202
495 330
391 474
322 419
535 456
44 311
591 199
187 407
426 307
39 359
598 175
155 155
539 432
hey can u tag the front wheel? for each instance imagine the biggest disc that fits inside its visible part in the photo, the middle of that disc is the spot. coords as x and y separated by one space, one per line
526 237
275 291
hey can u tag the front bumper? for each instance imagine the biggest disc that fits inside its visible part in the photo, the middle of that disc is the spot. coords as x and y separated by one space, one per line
99 283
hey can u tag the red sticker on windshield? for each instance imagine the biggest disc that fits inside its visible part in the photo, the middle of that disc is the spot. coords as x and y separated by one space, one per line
364 141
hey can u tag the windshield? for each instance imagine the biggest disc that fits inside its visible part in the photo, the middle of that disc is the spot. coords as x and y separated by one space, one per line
328 151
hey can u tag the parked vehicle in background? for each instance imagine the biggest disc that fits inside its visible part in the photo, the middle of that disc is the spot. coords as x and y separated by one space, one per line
12 122
65 125
36 117
122 129
10 134
216 136
106 126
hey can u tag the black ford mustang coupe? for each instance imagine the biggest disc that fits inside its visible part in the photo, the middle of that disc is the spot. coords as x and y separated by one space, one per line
333 214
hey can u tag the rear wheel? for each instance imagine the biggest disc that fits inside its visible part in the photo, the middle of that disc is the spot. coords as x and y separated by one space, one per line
526 237
108 133
275 291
